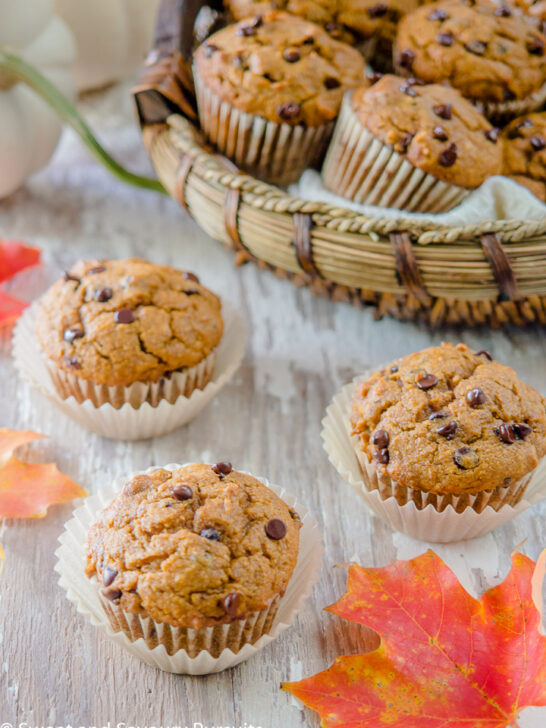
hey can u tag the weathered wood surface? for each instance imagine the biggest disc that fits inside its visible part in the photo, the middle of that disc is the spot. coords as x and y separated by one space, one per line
55 668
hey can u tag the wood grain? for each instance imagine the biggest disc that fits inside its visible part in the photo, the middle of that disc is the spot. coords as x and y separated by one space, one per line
55 667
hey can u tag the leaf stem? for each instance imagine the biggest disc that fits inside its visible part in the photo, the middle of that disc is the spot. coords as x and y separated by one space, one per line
14 69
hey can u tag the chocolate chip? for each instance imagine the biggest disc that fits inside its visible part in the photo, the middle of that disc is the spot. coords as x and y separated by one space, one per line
404 142
427 381
406 59
377 11
492 134
380 438
439 14
508 94
407 88
69 277
289 110
190 276
246 30
210 49
449 156
275 529
191 292
211 534
475 397
108 575
444 111
71 362
506 433
483 352
112 594
238 61
222 468
440 133
437 416
71 333
394 368
522 430
96 269
330 82
309 40
333 27
124 316
182 492
103 294
477 47
535 46
231 603
445 39
291 55
538 142
448 430
374 77
503 12
382 456
257 21
466 458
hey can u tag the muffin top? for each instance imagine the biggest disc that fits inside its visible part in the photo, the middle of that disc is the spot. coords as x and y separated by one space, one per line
281 68
449 420
534 10
525 152
116 322
484 50
200 545
342 19
437 129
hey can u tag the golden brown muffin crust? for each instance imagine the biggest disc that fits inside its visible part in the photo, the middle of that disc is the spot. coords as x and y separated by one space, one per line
116 322
281 68
525 152
436 129
488 54
194 547
448 420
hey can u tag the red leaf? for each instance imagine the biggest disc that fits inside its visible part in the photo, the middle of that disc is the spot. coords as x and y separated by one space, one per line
27 490
10 309
445 660
15 257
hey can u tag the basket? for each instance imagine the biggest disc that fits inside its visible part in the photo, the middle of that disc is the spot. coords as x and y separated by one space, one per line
492 273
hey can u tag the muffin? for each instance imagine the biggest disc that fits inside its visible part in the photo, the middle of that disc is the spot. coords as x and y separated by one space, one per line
268 91
410 146
494 58
448 426
204 552
533 10
525 153
369 23
122 331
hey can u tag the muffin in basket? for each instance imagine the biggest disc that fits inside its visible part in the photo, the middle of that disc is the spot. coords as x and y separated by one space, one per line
525 152
269 89
410 146
448 426
194 559
494 57
122 331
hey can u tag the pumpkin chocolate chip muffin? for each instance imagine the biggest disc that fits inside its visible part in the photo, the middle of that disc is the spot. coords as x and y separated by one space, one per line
403 144
128 330
525 152
269 89
495 58
449 426
202 546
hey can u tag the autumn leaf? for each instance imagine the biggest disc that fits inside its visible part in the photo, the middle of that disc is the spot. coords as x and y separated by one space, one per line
14 257
446 660
28 489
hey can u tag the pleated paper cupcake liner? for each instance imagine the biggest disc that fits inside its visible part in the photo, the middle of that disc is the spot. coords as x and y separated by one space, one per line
504 111
275 153
125 421
432 519
193 652
363 169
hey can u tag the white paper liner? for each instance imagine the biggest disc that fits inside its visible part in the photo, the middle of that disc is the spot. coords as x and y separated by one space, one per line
426 524
361 168
276 153
504 111
83 592
127 422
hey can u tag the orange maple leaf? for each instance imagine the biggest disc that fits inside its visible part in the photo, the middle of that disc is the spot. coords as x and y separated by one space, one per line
446 660
14 257
27 490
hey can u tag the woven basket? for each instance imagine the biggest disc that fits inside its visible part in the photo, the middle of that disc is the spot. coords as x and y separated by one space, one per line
493 273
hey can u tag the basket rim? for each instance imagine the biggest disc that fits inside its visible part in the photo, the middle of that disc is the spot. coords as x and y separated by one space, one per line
217 169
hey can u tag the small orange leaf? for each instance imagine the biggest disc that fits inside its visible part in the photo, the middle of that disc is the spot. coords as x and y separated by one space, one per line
27 489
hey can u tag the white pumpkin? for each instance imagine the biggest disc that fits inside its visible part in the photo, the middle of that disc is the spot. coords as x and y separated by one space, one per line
29 129
112 36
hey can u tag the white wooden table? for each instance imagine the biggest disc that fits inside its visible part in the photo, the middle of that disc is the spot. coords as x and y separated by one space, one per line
55 668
